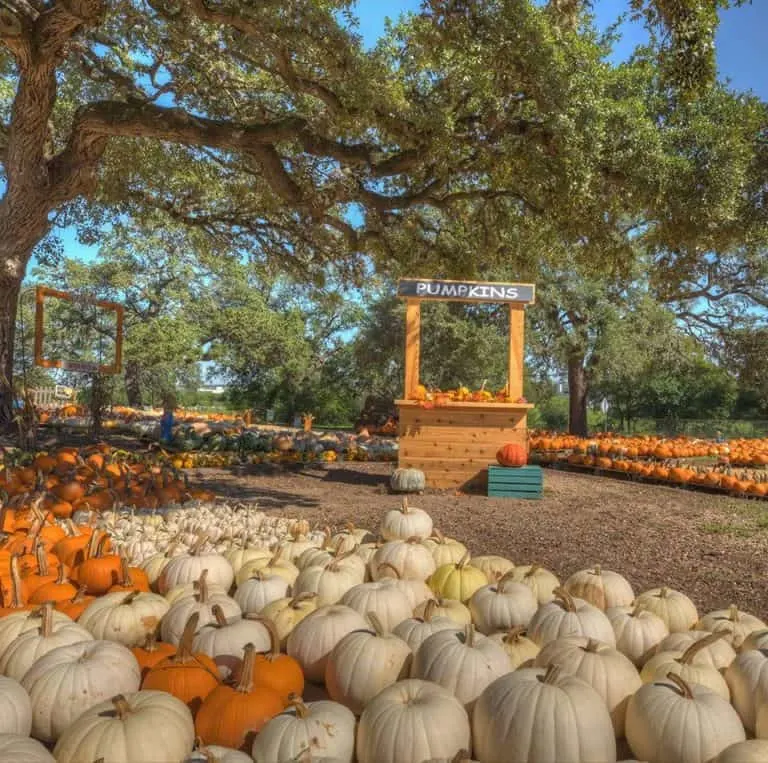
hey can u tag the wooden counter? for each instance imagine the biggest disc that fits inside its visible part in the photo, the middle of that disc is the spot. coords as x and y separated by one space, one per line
454 443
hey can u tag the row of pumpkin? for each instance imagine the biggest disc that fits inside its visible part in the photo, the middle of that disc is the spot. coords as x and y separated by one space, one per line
125 640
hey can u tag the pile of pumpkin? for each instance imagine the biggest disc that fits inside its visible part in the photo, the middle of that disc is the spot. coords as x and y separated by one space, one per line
135 639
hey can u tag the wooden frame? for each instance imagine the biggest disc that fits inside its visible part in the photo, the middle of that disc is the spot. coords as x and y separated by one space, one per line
40 295
453 443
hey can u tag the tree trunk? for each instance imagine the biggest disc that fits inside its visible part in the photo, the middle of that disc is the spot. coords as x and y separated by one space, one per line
578 389
133 384
10 287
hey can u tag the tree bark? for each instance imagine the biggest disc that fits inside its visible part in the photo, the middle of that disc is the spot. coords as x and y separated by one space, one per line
578 391
10 287
133 384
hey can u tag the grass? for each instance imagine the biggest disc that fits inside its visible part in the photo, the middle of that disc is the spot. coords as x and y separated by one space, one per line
748 518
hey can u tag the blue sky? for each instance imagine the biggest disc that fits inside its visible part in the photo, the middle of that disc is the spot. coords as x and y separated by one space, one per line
742 53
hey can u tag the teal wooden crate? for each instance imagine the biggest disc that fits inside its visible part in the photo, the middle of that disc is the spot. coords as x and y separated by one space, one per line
515 482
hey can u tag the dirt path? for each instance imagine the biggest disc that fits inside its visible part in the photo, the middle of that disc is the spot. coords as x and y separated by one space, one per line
712 548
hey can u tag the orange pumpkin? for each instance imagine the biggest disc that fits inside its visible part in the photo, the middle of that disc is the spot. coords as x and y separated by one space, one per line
58 590
130 578
512 454
13 596
153 652
189 677
75 606
276 671
231 716
99 571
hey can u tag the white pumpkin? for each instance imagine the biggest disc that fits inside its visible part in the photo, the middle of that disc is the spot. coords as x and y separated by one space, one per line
225 639
416 591
444 550
70 679
144 727
202 602
747 678
15 708
686 666
254 594
406 522
450 608
27 648
415 630
492 566
349 537
189 567
275 565
673 607
566 616
751 751
16 748
673 720
238 556
363 663
213 753
18 622
314 638
755 640
717 652
637 631
501 606
519 648
542 716
410 559
287 613
332 580
190 589
738 625
412 720
326 730
155 564
464 662
610 673
384 597
125 618
539 579
602 588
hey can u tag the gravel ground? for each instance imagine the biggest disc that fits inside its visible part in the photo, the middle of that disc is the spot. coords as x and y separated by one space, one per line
711 547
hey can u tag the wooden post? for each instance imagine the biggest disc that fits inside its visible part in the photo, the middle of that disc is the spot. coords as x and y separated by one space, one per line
412 346
516 343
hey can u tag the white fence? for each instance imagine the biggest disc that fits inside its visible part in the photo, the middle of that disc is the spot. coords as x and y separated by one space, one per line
51 397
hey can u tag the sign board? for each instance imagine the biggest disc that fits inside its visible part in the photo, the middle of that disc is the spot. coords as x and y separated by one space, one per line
466 291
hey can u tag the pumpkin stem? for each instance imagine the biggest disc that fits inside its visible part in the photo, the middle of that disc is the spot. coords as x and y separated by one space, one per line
392 567
636 610
533 570
464 561
514 634
296 600
16 599
598 570
80 595
125 572
462 756
565 599
46 614
697 646
297 703
429 610
245 684
42 558
121 706
202 587
93 545
202 539
184 650
274 637
682 685
61 577
218 613
733 613
150 642
129 599
404 506
438 536
592 645
553 671
374 620
664 592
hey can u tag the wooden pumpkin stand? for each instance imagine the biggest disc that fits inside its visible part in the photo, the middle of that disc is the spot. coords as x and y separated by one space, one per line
454 442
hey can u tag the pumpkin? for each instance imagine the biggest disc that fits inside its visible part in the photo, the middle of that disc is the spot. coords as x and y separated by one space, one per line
416 591
756 640
673 607
287 613
130 578
151 652
74 607
512 454
415 630
201 603
254 594
686 666
314 638
213 753
407 558
17 623
717 652
143 727
71 679
637 631
738 625
277 671
30 646
232 715
566 616
449 608
322 730
494 567
385 598
501 606
747 679
187 568
540 580
412 720
600 587
407 481
363 663
605 669
98 572
274 565
406 522
20 749
224 640
519 648
238 557
127 618
331 580
445 550
59 589
750 751
674 720
457 581
542 716
15 709
188 675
